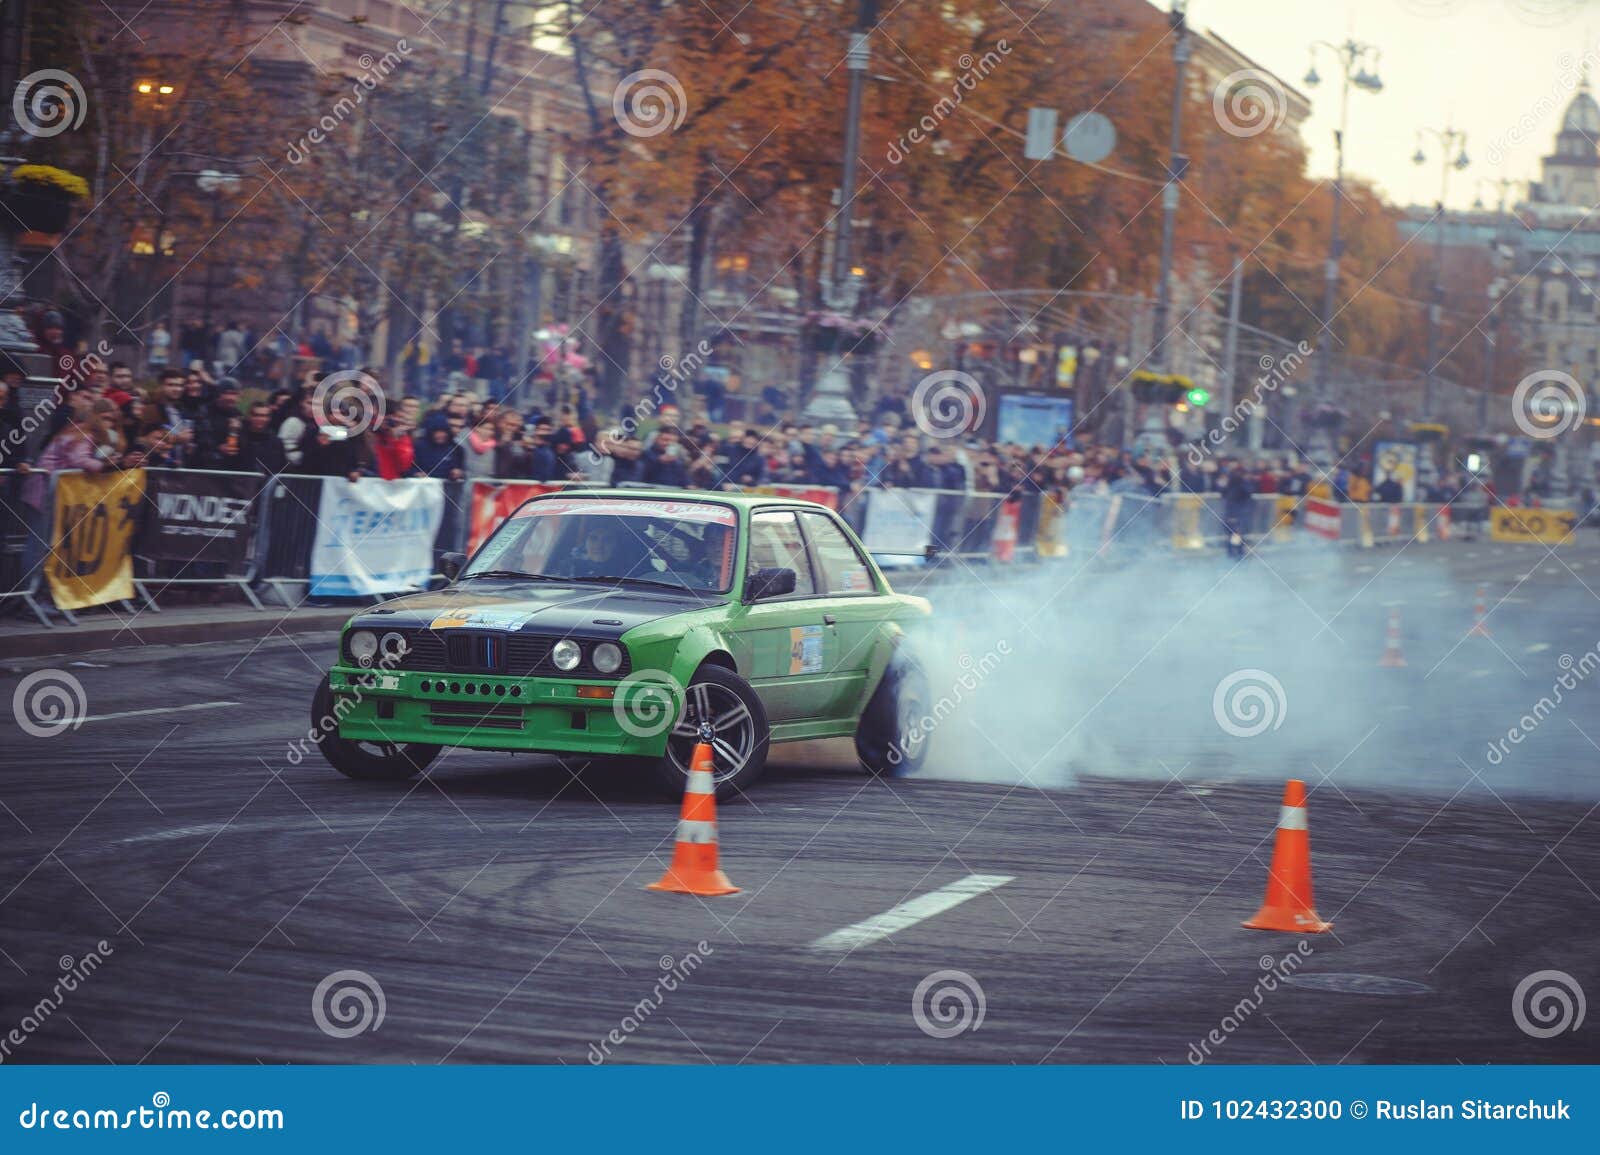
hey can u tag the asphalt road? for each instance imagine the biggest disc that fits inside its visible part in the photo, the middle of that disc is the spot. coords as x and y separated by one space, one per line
499 903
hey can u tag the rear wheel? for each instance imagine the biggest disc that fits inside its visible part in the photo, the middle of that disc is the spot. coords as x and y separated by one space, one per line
740 735
892 735
364 760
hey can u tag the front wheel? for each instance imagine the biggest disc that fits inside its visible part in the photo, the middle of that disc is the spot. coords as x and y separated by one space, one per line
364 760
740 734
892 735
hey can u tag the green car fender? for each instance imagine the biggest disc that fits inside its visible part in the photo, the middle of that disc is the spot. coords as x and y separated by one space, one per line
676 647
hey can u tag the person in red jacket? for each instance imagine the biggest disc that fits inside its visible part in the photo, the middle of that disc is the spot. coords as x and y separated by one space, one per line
394 449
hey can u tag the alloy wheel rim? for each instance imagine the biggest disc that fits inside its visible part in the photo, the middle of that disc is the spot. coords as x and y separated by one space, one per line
732 725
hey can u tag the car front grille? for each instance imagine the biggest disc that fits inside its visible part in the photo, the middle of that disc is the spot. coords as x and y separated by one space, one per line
468 651
470 716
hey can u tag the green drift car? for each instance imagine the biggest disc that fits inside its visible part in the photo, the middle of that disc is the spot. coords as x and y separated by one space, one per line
617 622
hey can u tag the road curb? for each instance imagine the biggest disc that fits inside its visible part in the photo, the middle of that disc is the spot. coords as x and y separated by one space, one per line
151 630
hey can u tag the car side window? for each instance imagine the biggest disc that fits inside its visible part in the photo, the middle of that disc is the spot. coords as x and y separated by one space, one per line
775 541
839 565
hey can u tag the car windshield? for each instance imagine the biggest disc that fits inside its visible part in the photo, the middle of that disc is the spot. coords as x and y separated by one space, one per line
676 544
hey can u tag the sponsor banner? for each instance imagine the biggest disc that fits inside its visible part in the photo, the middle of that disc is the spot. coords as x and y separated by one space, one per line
375 537
91 556
1397 459
1552 526
200 517
1322 518
820 494
493 502
899 521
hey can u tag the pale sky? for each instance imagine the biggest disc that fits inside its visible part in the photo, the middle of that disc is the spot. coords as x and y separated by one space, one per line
1502 70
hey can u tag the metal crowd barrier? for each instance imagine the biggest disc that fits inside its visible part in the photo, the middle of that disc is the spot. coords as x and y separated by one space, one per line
24 543
967 527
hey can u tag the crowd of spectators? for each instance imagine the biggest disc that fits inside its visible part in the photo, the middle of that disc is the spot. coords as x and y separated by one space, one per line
187 418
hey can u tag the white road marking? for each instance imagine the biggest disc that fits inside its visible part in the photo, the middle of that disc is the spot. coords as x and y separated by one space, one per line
911 912
1479 674
154 710
1538 647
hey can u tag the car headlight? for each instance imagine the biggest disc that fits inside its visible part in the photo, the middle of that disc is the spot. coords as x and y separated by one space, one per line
363 646
394 646
607 658
566 655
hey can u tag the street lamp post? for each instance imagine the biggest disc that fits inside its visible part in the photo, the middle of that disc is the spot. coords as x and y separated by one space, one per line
1354 58
841 288
1451 140
1176 164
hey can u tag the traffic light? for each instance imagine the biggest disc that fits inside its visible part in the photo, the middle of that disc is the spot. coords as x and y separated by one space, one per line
1164 388
1198 397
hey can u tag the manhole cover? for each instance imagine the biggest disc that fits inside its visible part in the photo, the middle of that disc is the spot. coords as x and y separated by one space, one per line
1359 985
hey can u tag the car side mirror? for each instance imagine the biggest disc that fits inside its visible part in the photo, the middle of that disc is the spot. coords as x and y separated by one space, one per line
769 582
451 565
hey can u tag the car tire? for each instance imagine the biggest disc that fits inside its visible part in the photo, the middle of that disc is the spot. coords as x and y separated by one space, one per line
366 761
889 736
743 737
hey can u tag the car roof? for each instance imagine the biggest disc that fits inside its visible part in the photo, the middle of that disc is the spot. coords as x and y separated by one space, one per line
738 500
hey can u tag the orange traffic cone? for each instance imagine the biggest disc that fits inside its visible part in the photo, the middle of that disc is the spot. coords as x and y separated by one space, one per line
694 867
1288 904
1392 656
1480 615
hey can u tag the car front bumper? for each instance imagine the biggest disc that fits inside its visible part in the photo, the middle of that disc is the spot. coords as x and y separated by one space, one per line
544 715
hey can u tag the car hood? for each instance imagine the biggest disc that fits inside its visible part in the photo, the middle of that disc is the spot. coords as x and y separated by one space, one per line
542 608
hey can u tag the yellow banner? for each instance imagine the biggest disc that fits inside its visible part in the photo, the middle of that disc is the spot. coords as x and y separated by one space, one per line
1283 515
91 562
1047 538
1186 522
1552 526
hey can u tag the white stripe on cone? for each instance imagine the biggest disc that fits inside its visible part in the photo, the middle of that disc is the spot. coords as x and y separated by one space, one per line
1292 818
693 830
700 783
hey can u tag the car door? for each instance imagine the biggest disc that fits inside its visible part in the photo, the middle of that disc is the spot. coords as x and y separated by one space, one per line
781 643
855 609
